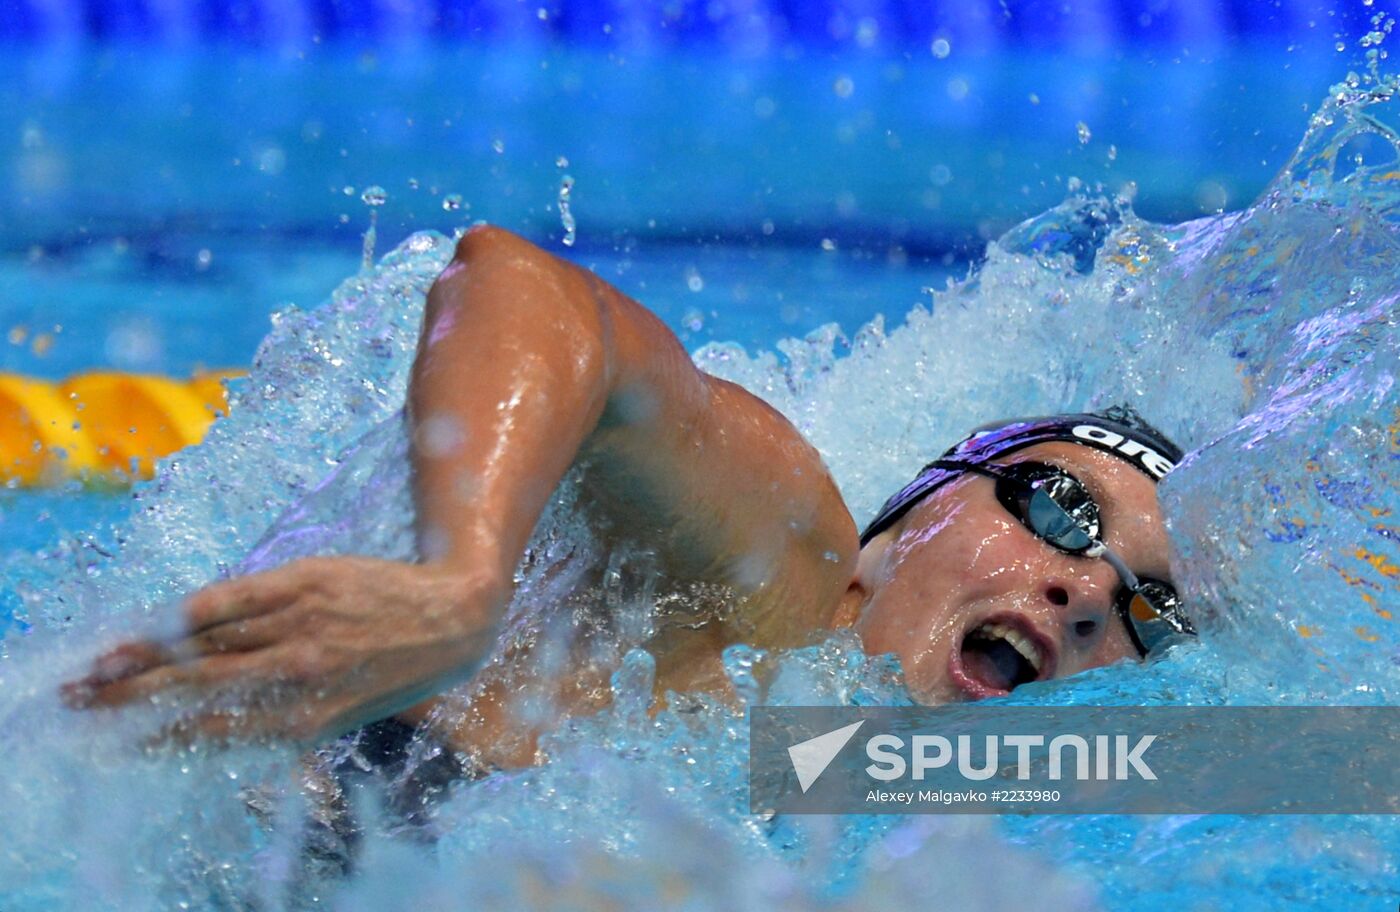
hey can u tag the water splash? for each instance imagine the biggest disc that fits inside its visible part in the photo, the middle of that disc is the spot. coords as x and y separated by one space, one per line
373 197
566 215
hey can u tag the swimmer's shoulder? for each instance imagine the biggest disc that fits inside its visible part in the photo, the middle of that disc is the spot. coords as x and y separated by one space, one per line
733 498
719 483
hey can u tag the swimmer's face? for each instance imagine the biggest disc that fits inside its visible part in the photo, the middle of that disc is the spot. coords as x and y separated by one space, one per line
961 582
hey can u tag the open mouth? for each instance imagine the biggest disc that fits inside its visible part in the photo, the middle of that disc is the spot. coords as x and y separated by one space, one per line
999 655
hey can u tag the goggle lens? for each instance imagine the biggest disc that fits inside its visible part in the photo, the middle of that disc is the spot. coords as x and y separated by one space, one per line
1058 508
1153 611
1054 522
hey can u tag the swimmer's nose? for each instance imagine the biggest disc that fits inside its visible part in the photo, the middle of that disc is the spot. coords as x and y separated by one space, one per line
1082 605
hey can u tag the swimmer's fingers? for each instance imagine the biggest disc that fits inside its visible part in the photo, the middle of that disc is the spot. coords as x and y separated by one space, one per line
212 671
249 596
126 660
234 636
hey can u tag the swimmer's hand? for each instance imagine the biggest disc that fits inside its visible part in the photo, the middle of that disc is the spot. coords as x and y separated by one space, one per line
308 650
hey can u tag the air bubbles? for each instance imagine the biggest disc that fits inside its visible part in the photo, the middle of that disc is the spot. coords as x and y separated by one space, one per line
203 259
561 162
498 146
693 320
1112 153
844 87
1081 129
374 196
452 202
940 48
693 280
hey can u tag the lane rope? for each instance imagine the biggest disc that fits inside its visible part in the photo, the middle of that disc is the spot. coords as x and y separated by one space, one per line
102 426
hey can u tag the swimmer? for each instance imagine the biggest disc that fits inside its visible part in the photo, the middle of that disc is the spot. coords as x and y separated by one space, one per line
1032 550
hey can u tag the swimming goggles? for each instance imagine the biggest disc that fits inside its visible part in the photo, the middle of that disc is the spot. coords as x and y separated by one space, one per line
1059 510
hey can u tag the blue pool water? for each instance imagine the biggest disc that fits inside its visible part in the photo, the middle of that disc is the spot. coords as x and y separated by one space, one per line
1263 338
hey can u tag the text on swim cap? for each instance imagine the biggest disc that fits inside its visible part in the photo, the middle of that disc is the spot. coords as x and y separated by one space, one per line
1154 462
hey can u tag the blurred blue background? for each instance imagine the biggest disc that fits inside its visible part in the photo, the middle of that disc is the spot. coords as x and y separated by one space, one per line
172 171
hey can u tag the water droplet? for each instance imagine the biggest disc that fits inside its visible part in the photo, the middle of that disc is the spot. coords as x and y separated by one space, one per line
566 215
271 160
739 665
374 196
440 435
941 48
452 202
1082 129
867 31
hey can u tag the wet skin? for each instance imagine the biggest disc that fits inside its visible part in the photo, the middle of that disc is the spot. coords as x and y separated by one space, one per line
537 366
960 559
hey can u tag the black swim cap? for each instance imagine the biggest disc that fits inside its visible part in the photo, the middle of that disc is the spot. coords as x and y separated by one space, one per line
1118 430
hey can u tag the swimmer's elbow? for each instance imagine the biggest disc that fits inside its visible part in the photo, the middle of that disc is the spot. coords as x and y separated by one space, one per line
497 274
489 240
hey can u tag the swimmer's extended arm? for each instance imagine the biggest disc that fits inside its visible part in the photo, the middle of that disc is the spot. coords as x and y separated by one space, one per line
525 364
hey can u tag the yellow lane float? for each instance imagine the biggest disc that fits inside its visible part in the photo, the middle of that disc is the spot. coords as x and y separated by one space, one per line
101 426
